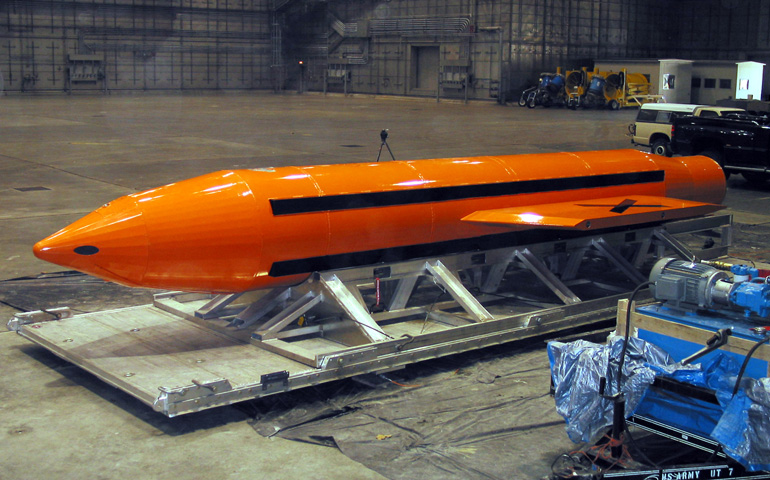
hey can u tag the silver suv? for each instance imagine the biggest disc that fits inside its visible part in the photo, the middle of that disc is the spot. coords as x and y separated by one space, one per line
653 123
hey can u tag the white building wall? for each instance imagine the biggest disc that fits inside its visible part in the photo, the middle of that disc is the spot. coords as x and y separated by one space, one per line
748 84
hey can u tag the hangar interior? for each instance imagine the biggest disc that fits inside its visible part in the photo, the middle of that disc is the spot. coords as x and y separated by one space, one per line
107 98
398 47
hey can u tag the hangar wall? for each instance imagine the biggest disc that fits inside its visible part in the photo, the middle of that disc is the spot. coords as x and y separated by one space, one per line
383 47
730 30
464 48
119 45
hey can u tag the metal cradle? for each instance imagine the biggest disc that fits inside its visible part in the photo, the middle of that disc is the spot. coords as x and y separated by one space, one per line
188 352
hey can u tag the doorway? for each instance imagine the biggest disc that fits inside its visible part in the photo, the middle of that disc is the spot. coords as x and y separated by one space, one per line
425 64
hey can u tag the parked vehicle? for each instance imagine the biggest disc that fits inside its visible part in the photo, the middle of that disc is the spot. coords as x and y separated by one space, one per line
589 89
738 143
653 123
549 91
613 90
624 89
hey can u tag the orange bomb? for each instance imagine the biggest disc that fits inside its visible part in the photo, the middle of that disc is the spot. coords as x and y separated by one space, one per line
240 230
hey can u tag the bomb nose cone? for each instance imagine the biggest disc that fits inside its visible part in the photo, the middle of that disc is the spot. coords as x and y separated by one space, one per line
197 235
109 243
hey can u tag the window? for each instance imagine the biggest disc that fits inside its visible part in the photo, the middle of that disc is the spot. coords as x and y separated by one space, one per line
695 82
646 115
743 84
669 81
725 83
657 116
710 83
708 114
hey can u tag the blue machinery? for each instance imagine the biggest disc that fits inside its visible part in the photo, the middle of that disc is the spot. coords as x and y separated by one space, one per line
702 312
698 298
691 285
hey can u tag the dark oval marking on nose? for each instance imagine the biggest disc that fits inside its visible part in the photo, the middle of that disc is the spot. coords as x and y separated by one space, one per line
86 250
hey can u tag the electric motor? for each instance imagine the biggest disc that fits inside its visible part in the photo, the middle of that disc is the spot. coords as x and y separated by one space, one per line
684 283
691 285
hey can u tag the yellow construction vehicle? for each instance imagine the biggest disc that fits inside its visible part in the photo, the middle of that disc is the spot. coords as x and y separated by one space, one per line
615 90
625 89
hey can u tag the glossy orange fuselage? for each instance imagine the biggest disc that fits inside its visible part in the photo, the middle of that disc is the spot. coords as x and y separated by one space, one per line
233 231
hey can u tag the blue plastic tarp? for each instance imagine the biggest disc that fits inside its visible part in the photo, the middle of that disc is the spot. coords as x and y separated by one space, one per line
576 370
741 424
744 428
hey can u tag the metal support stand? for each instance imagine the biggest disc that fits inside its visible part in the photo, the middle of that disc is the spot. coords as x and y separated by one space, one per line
187 352
332 307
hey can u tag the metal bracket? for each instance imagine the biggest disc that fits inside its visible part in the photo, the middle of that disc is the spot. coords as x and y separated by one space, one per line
196 391
268 379
341 359
38 316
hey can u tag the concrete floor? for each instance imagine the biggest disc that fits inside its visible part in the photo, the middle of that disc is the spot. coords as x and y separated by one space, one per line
61 157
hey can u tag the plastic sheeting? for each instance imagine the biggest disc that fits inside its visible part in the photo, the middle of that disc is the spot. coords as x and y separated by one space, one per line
576 370
741 424
475 416
750 408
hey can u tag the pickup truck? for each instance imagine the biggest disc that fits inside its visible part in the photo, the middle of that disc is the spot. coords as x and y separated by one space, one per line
653 122
738 143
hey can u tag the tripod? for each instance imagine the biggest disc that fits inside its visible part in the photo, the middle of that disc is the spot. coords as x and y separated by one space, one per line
384 137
